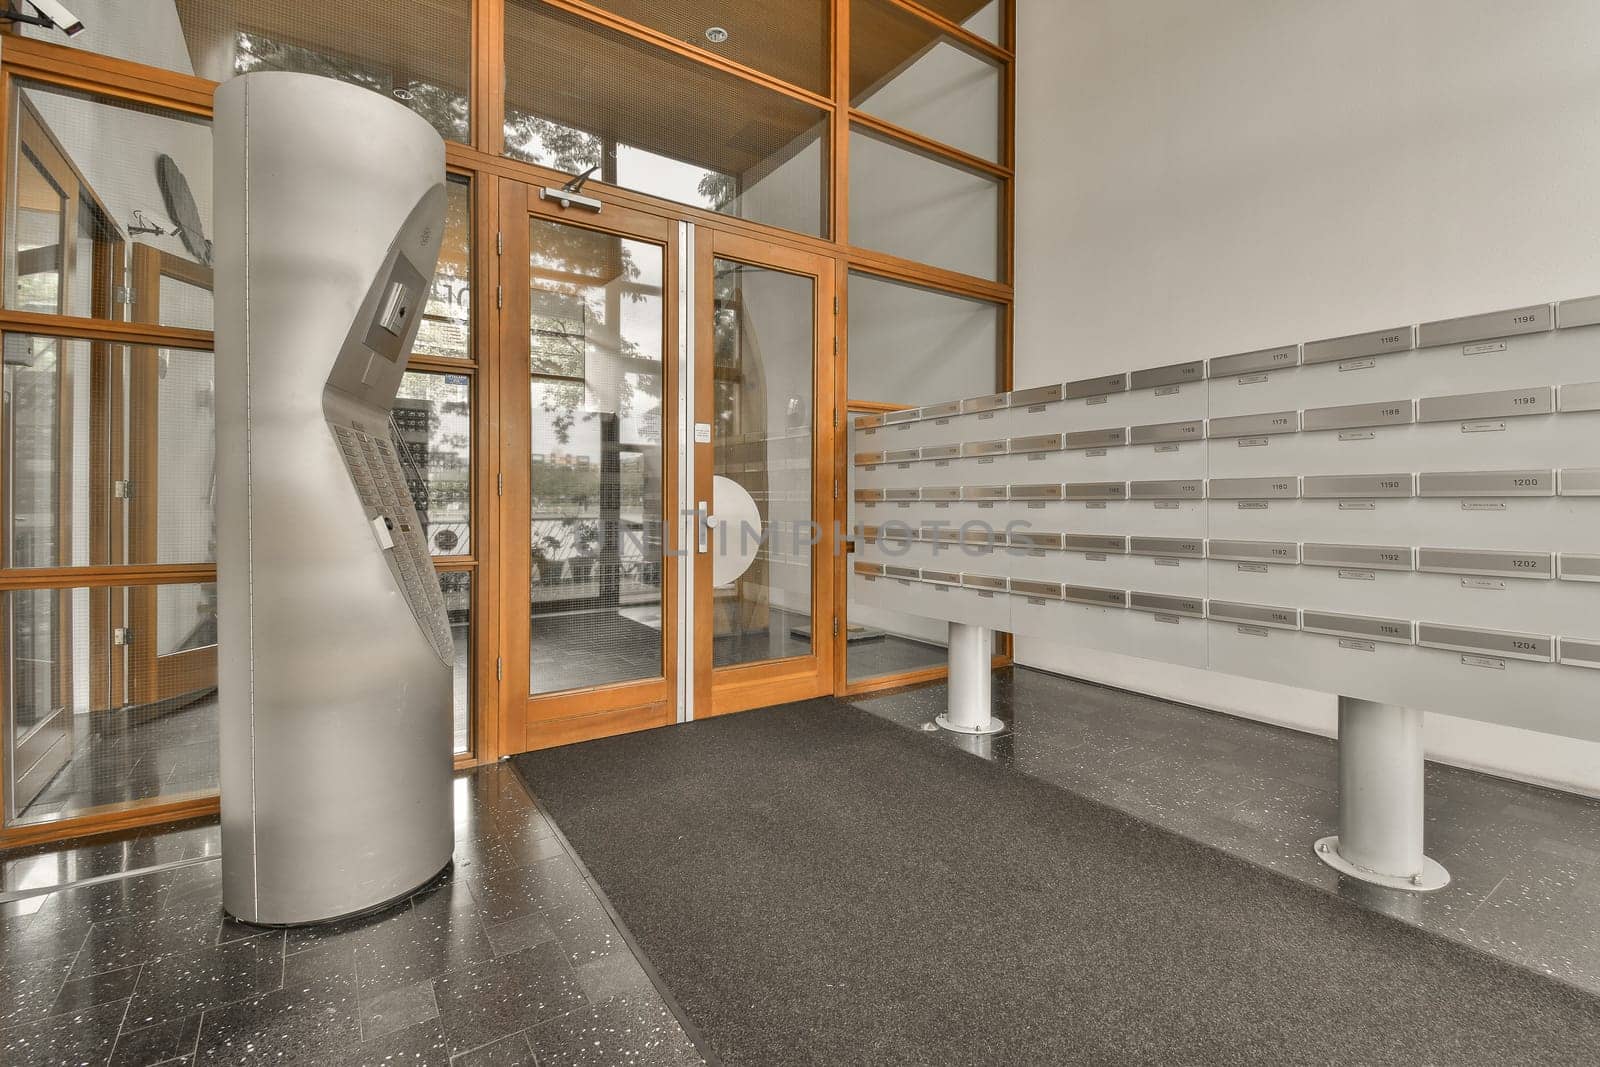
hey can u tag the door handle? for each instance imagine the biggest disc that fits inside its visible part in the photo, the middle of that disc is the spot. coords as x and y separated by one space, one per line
703 521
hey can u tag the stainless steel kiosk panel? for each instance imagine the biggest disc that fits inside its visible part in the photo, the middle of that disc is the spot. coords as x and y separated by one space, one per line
335 673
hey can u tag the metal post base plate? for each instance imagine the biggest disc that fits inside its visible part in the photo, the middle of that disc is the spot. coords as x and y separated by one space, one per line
993 726
1431 877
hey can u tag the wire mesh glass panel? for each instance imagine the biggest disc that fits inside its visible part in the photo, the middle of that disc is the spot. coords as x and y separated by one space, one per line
785 38
904 70
431 424
921 207
597 337
171 457
457 589
580 96
184 301
764 336
109 697
985 18
108 452
910 345
446 328
50 452
110 207
415 51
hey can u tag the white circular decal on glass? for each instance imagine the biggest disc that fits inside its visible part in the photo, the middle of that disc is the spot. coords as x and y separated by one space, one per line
735 533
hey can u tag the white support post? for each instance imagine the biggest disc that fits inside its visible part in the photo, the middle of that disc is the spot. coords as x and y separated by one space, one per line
1380 799
969 709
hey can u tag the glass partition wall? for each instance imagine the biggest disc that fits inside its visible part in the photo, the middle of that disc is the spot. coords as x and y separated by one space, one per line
873 136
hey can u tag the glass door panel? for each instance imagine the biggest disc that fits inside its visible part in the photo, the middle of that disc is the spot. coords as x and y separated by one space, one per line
764 583
587 362
762 386
596 343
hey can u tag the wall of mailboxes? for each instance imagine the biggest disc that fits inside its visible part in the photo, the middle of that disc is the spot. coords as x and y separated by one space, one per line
1409 515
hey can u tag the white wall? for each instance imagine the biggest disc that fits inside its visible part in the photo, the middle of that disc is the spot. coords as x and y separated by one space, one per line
1202 179
145 31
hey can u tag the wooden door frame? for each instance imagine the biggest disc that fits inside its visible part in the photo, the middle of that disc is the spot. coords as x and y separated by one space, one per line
724 690
58 168
151 677
529 722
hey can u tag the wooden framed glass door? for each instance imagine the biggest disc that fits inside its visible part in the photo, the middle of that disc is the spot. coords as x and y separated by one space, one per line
764 318
588 428
666 434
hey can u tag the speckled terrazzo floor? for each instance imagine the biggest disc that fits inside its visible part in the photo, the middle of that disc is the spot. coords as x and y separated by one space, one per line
513 957
509 959
1524 861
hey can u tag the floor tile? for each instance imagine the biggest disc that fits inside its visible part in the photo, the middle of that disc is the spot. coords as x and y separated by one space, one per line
304 1021
86 1036
190 982
104 987
28 989
439 931
422 1045
521 932
509 1051
488 1001
616 975
618 1031
162 1043
397 1009
550 885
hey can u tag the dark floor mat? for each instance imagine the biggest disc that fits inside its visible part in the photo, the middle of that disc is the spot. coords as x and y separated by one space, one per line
815 885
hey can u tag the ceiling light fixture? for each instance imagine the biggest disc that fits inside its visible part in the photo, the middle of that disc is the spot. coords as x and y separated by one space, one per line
716 35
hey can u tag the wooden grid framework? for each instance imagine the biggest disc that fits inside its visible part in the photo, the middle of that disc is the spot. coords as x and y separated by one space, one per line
498 182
